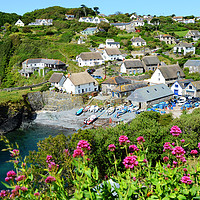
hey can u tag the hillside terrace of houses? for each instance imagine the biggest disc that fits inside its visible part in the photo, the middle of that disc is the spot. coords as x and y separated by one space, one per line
40 22
42 66
94 20
193 65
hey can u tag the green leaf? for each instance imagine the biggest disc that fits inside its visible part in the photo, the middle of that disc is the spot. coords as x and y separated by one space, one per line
88 172
6 185
172 195
166 198
59 172
180 196
193 191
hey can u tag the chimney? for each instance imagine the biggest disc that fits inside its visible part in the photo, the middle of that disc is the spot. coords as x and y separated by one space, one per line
158 65
68 75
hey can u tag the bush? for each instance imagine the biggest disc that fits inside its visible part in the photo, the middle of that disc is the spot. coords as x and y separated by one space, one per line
45 87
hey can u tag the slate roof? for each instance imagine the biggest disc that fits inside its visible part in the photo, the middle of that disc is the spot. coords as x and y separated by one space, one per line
113 43
120 24
56 77
42 60
194 32
183 44
113 51
91 55
151 60
82 78
196 84
129 87
170 72
137 39
195 63
91 29
117 80
151 93
133 64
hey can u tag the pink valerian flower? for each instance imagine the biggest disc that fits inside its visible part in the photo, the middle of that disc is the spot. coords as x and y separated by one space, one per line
111 147
182 159
3 193
78 153
175 131
168 166
167 146
184 169
24 189
130 162
133 148
140 140
123 140
50 179
173 144
134 178
194 152
82 144
14 152
10 175
178 151
186 180
49 158
165 159
66 152
144 161
174 164
52 165
182 140
20 178
37 194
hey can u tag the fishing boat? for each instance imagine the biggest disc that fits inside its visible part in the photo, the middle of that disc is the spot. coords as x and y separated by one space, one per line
111 110
90 119
79 112
86 108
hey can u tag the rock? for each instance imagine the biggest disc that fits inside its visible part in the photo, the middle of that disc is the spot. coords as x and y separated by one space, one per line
36 100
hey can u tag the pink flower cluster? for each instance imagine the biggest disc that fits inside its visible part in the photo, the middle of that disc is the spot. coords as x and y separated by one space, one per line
4 193
50 179
194 152
37 194
15 192
175 131
20 178
78 153
66 152
178 151
140 140
133 148
111 147
51 163
10 175
123 140
130 162
14 152
167 146
83 145
165 159
186 180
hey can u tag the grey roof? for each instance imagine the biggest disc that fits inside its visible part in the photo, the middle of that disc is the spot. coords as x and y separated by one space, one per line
184 82
171 72
194 32
91 29
117 80
113 43
113 51
151 60
196 84
82 78
137 39
129 87
56 77
133 64
183 44
195 63
91 55
42 60
120 23
151 93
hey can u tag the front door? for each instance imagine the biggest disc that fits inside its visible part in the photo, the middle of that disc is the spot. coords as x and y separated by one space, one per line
176 92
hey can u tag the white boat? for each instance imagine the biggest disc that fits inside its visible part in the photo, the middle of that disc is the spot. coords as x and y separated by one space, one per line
86 108
96 108
91 108
90 119
111 110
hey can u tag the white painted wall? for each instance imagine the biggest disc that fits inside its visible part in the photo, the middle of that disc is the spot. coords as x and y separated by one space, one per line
157 77
91 62
112 57
123 68
176 86
69 86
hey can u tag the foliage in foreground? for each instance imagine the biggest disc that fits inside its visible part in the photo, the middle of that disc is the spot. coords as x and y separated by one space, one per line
174 178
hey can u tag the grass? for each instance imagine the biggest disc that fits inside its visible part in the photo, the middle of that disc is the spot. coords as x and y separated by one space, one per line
15 96
181 33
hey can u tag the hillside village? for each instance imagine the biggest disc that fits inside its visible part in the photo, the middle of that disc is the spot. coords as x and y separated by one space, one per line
85 52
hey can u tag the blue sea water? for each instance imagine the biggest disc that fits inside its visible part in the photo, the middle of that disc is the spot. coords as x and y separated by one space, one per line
27 140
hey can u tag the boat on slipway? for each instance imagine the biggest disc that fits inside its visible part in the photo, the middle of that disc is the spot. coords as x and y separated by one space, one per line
79 112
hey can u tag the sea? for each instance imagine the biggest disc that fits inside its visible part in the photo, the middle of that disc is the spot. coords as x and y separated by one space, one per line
27 139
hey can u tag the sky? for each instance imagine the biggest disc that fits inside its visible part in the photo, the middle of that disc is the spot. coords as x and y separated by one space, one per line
141 7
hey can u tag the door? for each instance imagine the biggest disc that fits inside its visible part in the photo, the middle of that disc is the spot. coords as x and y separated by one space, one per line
176 92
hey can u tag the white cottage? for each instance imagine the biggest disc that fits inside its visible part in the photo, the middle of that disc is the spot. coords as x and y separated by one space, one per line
138 41
19 23
184 48
112 54
110 43
57 80
79 83
89 59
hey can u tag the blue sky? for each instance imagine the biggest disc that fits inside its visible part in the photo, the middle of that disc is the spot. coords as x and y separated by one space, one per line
153 7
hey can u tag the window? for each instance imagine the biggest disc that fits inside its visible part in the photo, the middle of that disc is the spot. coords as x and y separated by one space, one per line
190 87
158 79
89 84
78 86
89 89
79 91
148 91
176 86
86 89
158 74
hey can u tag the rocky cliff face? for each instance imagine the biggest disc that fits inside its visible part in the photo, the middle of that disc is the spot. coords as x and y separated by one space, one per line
13 114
